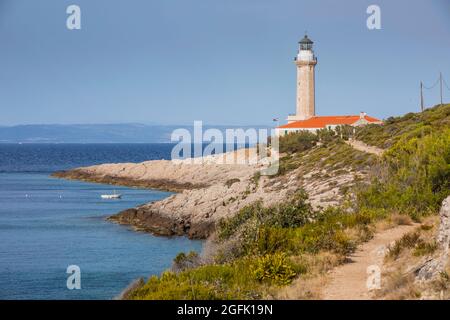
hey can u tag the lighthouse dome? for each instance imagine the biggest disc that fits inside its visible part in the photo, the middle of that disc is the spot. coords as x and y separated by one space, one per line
306 43
306 40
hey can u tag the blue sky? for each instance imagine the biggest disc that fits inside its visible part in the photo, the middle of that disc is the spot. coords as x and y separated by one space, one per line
220 61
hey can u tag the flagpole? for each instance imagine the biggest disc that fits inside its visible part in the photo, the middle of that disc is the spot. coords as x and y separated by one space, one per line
277 120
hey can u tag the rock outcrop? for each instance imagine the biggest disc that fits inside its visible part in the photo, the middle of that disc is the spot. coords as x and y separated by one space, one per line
432 267
166 174
443 237
195 212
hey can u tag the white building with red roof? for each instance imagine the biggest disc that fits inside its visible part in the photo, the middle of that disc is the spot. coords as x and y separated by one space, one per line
306 118
326 122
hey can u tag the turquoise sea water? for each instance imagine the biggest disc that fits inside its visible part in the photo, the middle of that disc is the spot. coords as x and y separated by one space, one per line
47 224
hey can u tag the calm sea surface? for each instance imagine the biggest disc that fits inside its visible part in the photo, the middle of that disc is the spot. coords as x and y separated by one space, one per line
47 224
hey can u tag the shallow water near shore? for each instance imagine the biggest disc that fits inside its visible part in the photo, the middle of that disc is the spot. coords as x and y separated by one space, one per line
47 224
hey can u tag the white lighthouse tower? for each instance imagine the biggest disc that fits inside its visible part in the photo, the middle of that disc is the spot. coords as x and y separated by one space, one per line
305 62
305 118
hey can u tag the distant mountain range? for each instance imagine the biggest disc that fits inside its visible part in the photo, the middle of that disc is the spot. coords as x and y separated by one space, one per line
95 133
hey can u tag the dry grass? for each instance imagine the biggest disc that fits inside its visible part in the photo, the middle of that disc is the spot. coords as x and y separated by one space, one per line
303 288
397 285
419 243
309 286
401 219
392 221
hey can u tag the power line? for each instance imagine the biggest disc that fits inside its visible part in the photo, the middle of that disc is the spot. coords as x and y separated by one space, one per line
445 82
434 85
441 81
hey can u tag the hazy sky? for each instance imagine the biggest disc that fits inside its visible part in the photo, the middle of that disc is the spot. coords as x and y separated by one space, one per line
220 61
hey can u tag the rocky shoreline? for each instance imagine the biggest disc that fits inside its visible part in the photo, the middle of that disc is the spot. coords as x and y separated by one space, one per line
159 224
183 213
162 184
209 191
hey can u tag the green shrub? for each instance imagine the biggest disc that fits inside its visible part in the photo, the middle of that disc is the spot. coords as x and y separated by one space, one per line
412 241
425 248
271 240
209 282
185 261
323 236
298 142
289 215
275 268
408 241
326 135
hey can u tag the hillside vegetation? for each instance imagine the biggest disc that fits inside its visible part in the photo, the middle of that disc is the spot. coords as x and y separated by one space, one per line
260 250
408 126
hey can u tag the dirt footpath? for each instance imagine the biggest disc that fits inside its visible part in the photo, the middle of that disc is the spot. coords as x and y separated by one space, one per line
349 281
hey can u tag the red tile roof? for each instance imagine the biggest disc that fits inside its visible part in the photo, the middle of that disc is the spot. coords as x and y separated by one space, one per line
323 121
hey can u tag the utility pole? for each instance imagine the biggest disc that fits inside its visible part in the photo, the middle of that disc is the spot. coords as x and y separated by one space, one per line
421 96
440 80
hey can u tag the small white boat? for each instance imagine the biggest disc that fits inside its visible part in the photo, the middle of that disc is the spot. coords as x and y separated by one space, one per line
111 196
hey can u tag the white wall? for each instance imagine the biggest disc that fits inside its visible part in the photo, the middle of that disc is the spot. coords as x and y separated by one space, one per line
305 55
282 132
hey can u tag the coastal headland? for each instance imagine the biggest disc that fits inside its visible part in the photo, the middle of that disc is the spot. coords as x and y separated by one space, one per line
209 191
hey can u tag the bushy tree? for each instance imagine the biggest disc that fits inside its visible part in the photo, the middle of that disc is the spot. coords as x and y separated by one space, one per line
298 142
